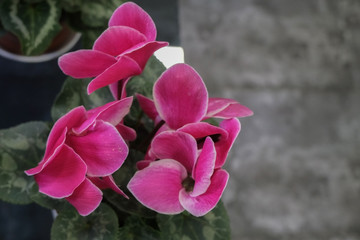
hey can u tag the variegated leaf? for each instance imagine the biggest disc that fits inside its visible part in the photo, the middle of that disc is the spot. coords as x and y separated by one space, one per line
21 148
74 94
96 13
71 5
35 24
213 226
102 224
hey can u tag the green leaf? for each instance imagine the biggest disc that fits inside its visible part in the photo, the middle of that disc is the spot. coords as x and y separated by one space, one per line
212 226
71 5
21 148
96 13
143 84
137 228
74 94
33 1
102 224
89 36
46 201
35 24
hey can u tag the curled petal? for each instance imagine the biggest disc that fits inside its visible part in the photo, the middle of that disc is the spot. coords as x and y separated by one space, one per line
58 133
112 112
131 15
180 96
147 105
202 129
126 132
158 185
233 127
85 63
107 182
141 54
118 39
226 108
102 148
114 89
204 168
143 164
86 198
64 172
124 67
179 146
57 146
201 205
118 89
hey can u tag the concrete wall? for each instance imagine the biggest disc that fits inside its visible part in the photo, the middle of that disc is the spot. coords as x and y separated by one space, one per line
295 168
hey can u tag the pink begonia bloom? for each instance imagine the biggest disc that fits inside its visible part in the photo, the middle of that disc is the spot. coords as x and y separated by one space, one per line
181 97
82 151
119 53
182 179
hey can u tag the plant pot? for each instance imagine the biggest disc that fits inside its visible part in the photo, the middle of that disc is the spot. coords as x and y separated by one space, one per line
10 46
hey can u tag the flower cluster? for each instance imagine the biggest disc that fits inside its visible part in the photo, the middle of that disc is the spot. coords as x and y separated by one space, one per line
182 166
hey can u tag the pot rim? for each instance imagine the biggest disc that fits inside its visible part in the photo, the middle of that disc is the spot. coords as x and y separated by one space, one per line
43 57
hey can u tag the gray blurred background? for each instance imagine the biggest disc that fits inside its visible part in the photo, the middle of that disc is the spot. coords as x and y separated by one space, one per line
295 167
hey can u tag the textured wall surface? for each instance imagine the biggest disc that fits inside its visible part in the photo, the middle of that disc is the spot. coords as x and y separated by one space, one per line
295 168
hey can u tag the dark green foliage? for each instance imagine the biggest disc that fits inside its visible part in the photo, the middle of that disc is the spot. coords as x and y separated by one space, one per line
102 224
21 148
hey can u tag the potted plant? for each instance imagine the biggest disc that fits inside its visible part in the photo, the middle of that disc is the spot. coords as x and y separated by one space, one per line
133 150
42 27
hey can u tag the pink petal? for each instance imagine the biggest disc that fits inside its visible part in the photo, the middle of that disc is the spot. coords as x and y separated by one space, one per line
179 146
116 40
142 54
130 14
127 133
62 174
107 182
147 105
86 198
158 185
58 134
57 146
223 146
114 89
150 155
118 89
201 205
180 96
143 164
226 108
204 168
85 63
112 112
102 148
202 129
125 67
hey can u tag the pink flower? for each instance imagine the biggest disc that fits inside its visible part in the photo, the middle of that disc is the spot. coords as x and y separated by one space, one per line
181 97
120 52
181 101
83 149
182 179
222 136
